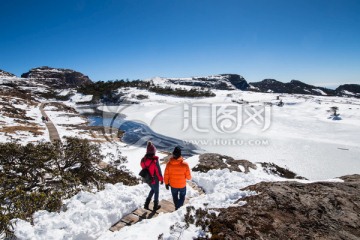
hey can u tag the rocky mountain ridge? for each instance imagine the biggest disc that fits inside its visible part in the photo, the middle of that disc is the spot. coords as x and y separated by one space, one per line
67 78
6 74
348 90
221 82
298 87
234 82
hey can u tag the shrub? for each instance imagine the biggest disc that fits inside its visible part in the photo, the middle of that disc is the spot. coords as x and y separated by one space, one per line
334 110
39 176
181 92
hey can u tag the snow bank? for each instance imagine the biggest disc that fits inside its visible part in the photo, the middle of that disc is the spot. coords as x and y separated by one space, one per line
78 97
90 215
87 214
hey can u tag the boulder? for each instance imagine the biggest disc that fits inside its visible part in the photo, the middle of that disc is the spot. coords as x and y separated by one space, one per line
293 210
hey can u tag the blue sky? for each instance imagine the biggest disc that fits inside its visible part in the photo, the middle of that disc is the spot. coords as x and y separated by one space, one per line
315 41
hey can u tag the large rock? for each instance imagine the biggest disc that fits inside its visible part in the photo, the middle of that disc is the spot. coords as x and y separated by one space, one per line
212 161
292 210
58 76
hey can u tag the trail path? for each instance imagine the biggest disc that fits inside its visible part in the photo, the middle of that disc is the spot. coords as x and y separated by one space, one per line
140 214
53 133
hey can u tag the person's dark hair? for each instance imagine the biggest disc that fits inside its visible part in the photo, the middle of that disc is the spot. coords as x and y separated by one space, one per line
177 152
149 155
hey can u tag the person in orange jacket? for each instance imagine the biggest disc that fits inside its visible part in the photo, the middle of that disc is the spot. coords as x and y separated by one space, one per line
151 161
176 173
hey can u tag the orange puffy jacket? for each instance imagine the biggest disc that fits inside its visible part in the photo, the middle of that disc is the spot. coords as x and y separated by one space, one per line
176 173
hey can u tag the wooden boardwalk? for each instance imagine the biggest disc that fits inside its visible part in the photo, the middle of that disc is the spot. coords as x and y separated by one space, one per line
167 206
141 214
53 133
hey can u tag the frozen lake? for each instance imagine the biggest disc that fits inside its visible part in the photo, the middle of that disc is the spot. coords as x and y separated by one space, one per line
301 135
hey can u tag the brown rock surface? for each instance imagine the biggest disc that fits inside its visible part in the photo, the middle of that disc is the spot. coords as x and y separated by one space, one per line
292 210
209 161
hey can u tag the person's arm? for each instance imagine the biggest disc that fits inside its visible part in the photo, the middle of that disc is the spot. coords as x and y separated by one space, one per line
166 175
158 172
142 164
187 173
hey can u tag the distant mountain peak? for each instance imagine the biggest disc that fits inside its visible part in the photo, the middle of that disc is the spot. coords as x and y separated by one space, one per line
6 74
62 76
297 82
220 81
348 90
292 87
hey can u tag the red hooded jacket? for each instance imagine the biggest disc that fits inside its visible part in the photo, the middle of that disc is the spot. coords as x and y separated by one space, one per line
154 168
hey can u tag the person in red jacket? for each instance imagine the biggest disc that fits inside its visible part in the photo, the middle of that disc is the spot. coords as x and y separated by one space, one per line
176 173
151 162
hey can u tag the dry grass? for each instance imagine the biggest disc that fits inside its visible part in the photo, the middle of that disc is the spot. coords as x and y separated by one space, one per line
24 122
32 129
22 95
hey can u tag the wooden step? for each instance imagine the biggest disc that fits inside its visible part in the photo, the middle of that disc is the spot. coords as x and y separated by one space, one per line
166 207
117 226
145 214
131 219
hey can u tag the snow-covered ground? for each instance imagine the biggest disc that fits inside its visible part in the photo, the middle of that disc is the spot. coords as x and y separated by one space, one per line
90 215
66 123
301 135
12 128
78 97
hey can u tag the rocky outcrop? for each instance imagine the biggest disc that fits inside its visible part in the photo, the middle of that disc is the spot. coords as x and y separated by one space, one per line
210 161
237 81
272 168
6 74
293 87
292 210
58 76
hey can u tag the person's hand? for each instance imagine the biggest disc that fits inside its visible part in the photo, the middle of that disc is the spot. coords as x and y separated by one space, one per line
167 186
162 182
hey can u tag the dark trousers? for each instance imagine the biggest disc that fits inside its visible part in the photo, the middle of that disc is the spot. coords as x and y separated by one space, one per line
178 195
154 190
